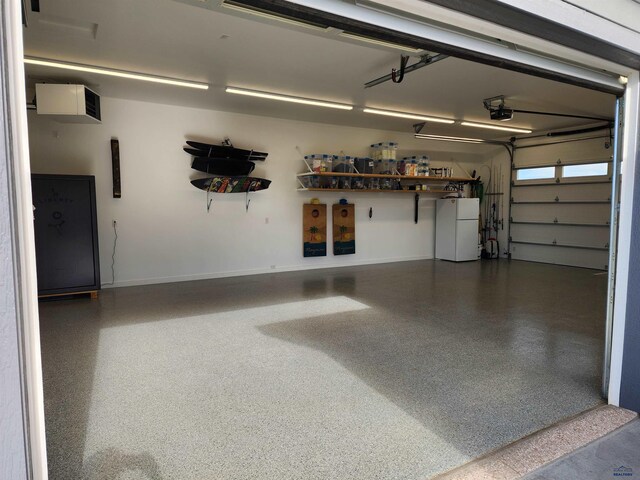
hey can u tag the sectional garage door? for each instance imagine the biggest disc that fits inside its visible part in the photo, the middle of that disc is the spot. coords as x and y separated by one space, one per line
561 203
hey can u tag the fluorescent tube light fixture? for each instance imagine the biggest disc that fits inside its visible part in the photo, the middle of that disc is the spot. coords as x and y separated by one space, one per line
495 127
271 16
382 43
412 116
287 98
114 73
445 138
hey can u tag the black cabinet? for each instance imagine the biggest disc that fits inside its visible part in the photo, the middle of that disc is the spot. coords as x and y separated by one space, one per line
66 233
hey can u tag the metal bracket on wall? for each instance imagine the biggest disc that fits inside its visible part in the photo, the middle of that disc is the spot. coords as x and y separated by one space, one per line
247 200
209 200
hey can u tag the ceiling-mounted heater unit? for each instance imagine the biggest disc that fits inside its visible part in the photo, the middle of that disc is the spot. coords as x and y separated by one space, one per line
68 103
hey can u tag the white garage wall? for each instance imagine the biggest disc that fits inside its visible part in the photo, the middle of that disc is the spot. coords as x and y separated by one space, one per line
164 231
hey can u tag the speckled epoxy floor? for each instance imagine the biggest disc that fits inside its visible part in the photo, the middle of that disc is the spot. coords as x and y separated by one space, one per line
394 371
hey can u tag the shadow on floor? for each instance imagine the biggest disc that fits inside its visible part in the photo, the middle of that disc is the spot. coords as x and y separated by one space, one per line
480 364
469 387
110 464
69 345
473 351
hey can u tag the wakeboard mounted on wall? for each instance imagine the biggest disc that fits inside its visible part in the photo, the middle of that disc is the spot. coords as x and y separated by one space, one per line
229 166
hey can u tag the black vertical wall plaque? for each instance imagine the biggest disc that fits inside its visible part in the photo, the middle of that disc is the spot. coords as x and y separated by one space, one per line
115 165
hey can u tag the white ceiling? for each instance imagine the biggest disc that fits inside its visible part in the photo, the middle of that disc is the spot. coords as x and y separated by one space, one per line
222 47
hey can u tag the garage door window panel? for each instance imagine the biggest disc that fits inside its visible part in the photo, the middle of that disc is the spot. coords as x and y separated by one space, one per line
537 173
589 170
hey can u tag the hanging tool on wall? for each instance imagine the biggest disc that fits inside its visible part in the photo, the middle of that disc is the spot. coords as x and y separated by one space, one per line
492 212
415 213
495 244
501 199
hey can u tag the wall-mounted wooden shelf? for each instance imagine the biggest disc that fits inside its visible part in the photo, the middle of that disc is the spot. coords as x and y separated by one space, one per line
368 190
395 177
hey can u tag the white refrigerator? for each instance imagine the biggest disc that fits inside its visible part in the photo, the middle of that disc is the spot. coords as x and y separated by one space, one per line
457 229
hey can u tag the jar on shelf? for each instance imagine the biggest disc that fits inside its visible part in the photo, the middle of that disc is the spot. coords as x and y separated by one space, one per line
384 169
350 164
325 167
315 161
358 183
401 166
305 181
384 150
364 164
328 163
376 151
423 167
344 182
412 167
340 164
393 169
393 150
